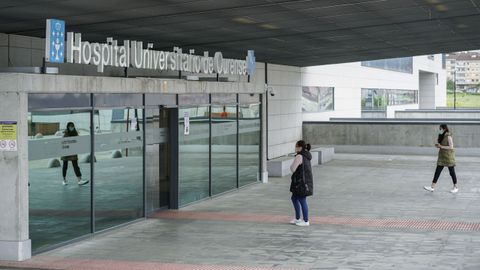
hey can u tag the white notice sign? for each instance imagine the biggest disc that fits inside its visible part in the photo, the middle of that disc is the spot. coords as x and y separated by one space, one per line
186 123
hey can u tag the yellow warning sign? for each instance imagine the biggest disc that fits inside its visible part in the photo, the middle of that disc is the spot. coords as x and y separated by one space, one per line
8 136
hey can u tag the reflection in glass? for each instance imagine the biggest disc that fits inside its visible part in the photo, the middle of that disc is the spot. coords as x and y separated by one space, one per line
118 167
317 99
59 206
249 143
402 64
224 148
379 99
193 174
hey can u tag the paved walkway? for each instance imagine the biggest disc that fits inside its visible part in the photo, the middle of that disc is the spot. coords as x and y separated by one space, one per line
368 212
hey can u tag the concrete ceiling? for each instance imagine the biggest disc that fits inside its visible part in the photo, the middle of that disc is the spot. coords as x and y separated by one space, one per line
291 32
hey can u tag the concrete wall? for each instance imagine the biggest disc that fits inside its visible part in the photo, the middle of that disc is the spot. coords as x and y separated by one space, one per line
438 114
390 113
374 114
284 109
390 133
21 51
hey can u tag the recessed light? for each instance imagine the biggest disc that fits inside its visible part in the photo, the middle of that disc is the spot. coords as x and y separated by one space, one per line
244 20
269 26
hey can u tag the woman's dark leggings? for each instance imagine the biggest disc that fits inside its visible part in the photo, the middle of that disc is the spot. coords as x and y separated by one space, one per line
75 168
297 202
450 169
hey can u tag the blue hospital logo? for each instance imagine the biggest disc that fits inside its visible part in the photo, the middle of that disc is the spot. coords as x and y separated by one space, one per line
56 41
251 62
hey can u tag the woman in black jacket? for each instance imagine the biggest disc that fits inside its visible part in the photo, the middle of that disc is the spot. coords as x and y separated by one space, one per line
302 182
70 131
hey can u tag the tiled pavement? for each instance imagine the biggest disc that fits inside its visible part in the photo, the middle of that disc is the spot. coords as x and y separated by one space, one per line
368 212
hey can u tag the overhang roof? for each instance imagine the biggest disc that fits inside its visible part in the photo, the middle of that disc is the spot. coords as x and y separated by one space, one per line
291 32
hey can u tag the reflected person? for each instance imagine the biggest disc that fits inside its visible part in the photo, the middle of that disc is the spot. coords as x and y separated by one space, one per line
446 158
71 131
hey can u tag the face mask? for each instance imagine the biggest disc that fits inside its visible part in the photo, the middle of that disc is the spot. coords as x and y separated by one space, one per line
71 129
440 131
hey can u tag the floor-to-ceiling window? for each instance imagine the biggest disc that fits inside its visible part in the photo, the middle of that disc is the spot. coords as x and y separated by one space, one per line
193 148
59 168
249 138
219 144
66 202
118 193
224 143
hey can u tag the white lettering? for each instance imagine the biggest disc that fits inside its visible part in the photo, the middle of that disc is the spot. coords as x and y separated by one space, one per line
162 61
96 54
132 54
74 47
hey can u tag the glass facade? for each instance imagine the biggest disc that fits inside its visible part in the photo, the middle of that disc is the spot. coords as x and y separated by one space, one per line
379 99
318 99
402 64
122 158
219 144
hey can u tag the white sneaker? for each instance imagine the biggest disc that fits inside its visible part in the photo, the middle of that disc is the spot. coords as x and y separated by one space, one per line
83 182
429 188
295 221
454 190
64 182
303 223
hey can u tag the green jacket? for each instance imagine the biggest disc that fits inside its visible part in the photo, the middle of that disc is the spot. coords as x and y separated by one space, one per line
446 157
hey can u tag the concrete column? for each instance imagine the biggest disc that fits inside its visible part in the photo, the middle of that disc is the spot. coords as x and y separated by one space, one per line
14 236
427 82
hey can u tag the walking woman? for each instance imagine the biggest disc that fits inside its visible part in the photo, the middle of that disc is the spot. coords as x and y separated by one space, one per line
71 132
302 182
446 158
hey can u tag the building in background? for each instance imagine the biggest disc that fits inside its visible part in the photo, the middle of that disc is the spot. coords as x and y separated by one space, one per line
373 88
463 68
370 89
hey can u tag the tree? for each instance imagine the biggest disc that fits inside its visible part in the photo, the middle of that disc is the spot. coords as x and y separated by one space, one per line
450 85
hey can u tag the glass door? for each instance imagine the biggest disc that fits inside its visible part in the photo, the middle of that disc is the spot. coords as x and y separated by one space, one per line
224 148
193 151
157 159
118 173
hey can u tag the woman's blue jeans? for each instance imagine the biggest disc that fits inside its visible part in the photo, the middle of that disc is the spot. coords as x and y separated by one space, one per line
300 202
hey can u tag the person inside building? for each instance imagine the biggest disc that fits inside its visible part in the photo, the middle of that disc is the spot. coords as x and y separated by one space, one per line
71 131
446 158
302 182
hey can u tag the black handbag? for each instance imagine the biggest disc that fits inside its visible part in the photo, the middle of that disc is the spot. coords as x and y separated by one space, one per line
299 185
